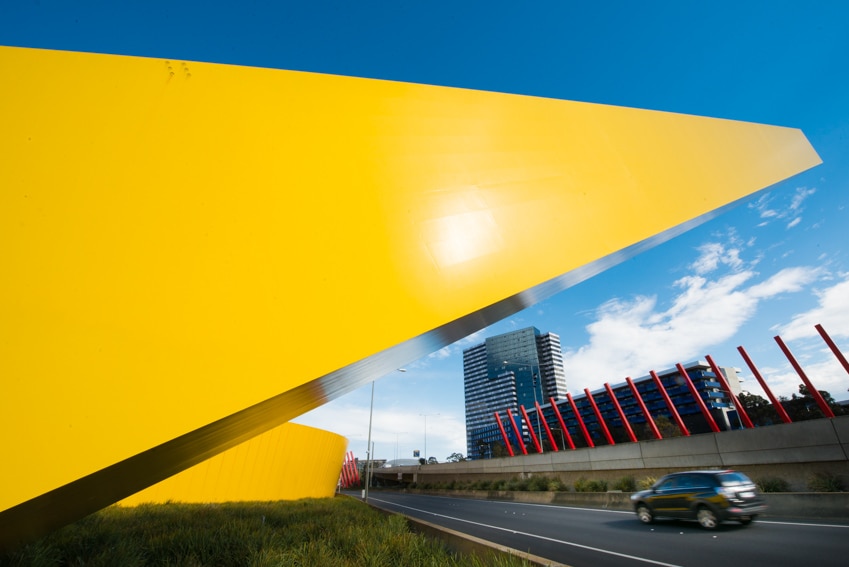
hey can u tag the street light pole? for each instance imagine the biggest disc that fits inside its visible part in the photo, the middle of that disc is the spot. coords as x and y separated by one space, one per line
368 445
425 433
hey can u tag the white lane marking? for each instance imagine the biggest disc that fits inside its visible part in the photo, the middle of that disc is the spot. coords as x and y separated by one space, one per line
560 541
802 524
630 512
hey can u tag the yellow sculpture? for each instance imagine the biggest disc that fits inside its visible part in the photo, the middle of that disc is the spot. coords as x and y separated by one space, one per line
191 254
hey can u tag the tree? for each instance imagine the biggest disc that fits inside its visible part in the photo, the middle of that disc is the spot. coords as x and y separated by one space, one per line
484 449
455 458
666 427
499 450
804 407
422 461
759 409
432 461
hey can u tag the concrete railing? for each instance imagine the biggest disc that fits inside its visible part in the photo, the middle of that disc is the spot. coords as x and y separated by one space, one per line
793 452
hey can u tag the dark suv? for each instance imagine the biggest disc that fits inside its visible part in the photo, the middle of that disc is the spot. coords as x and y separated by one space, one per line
707 496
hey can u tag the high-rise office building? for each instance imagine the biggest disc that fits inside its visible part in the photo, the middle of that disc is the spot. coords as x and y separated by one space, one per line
520 368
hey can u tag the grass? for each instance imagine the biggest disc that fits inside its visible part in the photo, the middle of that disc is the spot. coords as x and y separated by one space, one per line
335 531
772 484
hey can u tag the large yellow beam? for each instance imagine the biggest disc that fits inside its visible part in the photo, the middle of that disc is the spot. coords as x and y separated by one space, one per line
192 253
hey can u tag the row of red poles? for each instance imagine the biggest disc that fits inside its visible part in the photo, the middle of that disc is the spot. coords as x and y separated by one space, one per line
350 475
744 418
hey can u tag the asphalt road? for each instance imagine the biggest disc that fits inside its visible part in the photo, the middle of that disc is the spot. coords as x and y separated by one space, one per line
583 537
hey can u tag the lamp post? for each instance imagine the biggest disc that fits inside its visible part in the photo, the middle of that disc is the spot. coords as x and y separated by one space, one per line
425 433
369 447
397 433
534 378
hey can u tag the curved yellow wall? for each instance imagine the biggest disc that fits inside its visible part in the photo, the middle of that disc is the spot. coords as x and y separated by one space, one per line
192 253
289 462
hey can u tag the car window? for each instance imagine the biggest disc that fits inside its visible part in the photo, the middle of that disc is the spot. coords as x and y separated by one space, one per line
685 481
701 481
668 484
733 479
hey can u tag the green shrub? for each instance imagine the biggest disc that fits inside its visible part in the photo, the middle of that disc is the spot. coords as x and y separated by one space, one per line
556 485
773 484
517 484
626 484
646 482
538 484
825 482
584 485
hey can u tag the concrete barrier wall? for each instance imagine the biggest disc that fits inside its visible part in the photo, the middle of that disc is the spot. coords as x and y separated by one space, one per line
793 452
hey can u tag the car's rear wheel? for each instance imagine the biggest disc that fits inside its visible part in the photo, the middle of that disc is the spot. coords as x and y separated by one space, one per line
706 517
644 514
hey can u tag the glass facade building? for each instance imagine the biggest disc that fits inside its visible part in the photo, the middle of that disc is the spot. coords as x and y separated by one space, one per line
520 368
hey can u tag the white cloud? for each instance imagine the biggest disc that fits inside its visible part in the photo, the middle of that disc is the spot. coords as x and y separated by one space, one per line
766 209
393 430
714 254
799 197
825 374
786 281
635 336
832 312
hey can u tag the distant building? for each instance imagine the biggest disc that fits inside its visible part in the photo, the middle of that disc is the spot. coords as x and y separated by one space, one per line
520 368
700 373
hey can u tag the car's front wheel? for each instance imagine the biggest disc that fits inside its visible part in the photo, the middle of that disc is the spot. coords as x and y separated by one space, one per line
644 514
746 520
707 518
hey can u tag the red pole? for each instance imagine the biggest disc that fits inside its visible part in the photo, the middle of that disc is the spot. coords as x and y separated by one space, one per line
618 407
813 391
346 472
545 425
598 416
642 404
833 347
531 429
352 473
504 435
741 411
562 423
343 476
518 433
581 423
699 401
782 413
354 469
684 431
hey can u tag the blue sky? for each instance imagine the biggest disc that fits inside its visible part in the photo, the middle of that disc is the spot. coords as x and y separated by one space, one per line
775 265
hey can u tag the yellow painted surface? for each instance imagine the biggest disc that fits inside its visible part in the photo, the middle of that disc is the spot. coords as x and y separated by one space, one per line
180 240
289 462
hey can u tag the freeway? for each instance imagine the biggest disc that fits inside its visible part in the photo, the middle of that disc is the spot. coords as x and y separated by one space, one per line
584 537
